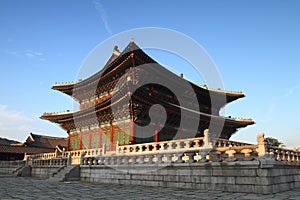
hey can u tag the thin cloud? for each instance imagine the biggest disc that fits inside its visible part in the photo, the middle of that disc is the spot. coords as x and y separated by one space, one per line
277 102
31 53
292 90
12 123
11 115
99 7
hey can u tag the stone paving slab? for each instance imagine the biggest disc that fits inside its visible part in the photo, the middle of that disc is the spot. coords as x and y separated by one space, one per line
31 188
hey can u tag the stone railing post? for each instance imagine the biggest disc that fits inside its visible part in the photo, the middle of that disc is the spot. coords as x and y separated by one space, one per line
26 158
103 149
69 162
262 149
82 157
207 143
56 153
117 148
63 152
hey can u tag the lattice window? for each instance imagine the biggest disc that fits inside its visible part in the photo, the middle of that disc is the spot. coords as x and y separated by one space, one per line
85 139
74 143
95 138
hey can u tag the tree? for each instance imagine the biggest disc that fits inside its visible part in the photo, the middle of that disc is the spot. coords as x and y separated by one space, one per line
273 142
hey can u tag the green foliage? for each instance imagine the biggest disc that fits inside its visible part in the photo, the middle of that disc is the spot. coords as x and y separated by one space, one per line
273 141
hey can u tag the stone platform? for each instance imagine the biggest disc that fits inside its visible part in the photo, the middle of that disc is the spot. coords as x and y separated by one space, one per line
189 164
31 188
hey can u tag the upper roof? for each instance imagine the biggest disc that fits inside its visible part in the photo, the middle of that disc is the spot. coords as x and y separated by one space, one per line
68 87
115 60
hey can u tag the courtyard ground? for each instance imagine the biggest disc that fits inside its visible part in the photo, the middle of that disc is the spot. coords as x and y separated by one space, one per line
31 188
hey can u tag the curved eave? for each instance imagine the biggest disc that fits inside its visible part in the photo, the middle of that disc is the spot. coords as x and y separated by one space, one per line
239 123
234 96
233 122
66 88
230 95
55 117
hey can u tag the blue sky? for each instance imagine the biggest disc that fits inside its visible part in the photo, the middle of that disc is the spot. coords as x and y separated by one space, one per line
254 44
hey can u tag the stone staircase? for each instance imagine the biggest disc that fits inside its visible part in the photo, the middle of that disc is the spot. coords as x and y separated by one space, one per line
18 170
66 173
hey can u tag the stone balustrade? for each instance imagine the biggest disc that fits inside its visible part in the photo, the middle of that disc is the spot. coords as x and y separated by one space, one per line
189 150
286 155
50 162
43 156
194 150
178 146
225 154
177 151
62 158
85 152
229 143
234 153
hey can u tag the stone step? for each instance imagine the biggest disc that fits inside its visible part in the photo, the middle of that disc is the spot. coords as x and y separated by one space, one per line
66 173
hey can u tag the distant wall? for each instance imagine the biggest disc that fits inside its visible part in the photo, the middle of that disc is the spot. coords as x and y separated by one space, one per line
263 177
44 171
8 167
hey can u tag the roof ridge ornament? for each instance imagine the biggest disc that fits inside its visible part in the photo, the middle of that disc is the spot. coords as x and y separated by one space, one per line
116 48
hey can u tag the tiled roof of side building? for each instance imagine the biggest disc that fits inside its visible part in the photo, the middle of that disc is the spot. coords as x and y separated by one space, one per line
42 141
23 149
4 141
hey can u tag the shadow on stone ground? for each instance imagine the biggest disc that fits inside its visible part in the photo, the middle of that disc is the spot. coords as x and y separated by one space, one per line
32 188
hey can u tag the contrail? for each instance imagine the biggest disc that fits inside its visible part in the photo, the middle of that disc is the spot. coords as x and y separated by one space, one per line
102 12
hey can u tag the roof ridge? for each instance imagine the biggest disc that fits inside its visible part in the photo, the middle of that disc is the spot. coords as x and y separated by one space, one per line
46 136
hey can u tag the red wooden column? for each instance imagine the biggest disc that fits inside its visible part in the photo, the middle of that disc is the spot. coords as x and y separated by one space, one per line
131 138
90 138
80 140
69 141
100 137
111 146
155 136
